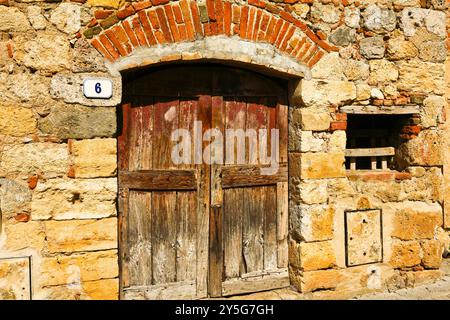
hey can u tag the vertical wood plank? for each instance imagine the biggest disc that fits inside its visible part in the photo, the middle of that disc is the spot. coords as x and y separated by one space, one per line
384 160
164 231
352 159
256 119
122 140
215 227
186 220
272 123
123 239
232 231
270 227
282 125
235 118
203 204
252 229
166 120
217 122
140 134
123 152
187 116
373 160
139 239
282 223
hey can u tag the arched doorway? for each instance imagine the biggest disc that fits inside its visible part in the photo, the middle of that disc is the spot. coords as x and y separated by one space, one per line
203 177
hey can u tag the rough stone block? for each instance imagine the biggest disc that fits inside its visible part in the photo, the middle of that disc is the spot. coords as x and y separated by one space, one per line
104 289
49 158
405 254
337 142
432 254
320 280
310 143
81 235
22 235
316 222
313 191
17 121
15 197
356 70
317 255
78 268
50 53
67 17
352 17
425 150
13 20
74 199
399 49
311 119
382 71
373 47
322 165
320 93
113 4
414 18
428 186
107 289
79 122
422 77
378 19
330 67
416 221
94 158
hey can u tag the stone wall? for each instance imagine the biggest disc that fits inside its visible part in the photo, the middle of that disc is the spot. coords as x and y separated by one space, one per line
359 231
58 185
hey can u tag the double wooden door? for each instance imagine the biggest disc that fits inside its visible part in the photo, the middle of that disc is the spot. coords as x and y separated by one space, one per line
198 215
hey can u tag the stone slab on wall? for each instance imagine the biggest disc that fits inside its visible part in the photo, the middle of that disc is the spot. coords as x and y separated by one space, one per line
15 279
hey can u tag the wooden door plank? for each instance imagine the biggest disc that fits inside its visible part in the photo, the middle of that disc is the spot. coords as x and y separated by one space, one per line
217 153
139 244
140 136
282 223
159 180
282 125
252 229
123 239
203 203
256 119
271 281
270 227
235 118
183 290
272 124
166 121
123 139
186 220
187 116
164 232
215 226
232 232
250 175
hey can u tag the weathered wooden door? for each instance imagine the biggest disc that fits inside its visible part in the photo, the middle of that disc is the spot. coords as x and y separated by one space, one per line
202 226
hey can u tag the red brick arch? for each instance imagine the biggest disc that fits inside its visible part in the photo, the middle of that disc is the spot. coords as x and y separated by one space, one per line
162 22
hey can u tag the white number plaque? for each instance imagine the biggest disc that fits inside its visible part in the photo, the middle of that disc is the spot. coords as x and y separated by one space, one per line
97 88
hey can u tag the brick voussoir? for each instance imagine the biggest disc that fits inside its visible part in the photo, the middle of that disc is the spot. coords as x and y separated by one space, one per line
148 23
